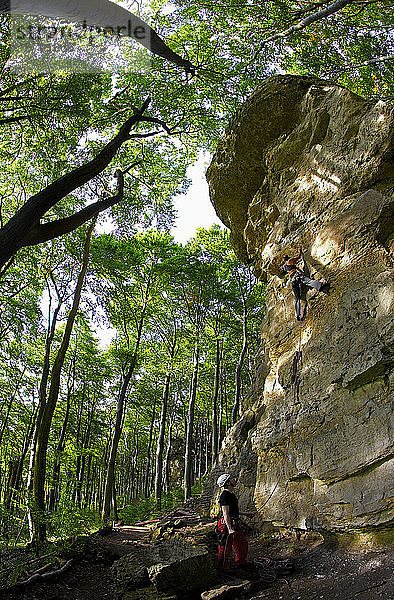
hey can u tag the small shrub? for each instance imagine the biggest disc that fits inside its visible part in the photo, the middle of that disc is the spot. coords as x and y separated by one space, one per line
67 522
144 509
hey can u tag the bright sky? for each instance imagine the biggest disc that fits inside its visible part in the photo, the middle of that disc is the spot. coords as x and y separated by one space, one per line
195 208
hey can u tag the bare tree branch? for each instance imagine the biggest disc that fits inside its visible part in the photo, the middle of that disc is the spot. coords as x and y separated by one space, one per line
8 120
349 66
370 62
157 121
6 266
318 16
143 135
48 231
24 227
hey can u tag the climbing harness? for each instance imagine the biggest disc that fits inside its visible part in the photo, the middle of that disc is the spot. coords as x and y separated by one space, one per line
295 386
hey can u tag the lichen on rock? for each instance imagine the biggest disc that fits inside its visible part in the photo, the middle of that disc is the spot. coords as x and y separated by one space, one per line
307 163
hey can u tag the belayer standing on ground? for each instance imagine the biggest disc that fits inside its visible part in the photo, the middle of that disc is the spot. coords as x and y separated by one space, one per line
299 282
229 526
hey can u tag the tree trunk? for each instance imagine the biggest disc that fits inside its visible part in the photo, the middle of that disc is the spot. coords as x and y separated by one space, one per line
42 398
110 478
189 429
24 227
55 490
82 463
162 429
160 442
146 485
40 459
215 396
25 449
238 370
166 468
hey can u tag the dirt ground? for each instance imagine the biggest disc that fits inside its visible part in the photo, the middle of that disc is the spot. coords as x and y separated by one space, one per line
326 574
320 573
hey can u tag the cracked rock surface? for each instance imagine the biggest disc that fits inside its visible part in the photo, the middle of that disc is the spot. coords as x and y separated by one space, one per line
307 163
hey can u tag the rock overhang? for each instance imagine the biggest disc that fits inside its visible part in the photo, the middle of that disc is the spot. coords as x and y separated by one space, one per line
292 150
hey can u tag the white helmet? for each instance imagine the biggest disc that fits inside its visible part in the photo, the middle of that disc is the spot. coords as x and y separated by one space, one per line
223 479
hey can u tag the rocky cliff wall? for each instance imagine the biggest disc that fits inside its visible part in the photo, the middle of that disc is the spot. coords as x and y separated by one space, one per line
306 163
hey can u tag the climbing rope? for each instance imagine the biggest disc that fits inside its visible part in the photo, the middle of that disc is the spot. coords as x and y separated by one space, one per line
291 419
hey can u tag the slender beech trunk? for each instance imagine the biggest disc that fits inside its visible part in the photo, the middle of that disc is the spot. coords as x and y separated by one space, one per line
82 463
89 483
40 459
238 370
200 448
42 395
162 430
15 489
135 460
166 468
190 423
207 440
78 442
55 491
102 470
215 396
146 484
220 424
110 478
109 481
160 442
10 402
54 495
42 398
115 502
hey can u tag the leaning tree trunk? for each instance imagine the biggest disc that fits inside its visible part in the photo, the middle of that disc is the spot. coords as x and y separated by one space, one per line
189 426
40 458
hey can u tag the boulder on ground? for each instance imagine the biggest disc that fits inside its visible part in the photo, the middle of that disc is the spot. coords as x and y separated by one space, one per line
172 566
183 574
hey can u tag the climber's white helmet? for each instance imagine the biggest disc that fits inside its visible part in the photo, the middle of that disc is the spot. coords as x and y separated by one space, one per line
223 479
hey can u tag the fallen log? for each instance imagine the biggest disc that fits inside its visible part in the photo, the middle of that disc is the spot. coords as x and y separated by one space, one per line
49 576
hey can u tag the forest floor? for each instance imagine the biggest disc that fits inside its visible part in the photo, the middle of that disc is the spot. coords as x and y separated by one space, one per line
320 573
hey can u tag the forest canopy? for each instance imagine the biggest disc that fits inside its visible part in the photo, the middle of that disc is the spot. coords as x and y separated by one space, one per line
91 163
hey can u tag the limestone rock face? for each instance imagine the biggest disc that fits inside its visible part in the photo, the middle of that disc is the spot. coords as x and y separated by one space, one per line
307 163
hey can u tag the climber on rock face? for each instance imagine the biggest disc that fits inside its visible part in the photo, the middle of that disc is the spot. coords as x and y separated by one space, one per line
299 282
229 526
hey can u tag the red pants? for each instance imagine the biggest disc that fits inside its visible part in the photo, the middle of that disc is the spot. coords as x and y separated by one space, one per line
237 541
